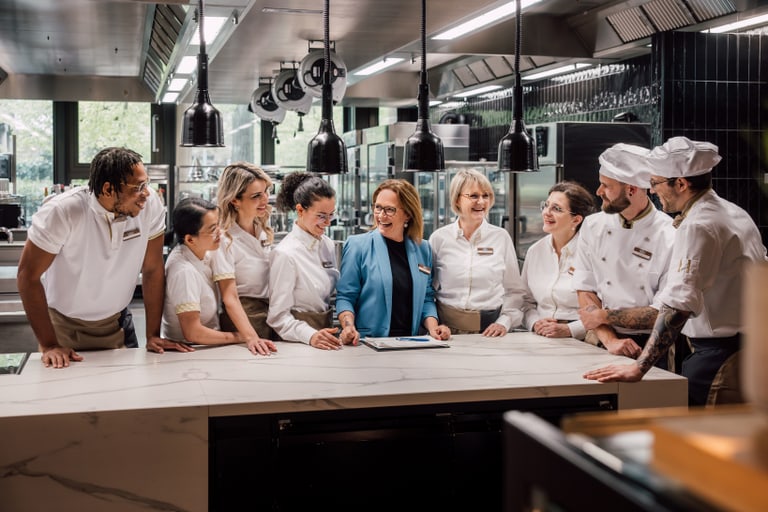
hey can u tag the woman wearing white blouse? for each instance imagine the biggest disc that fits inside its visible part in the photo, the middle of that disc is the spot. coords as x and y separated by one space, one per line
191 308
241 265
476 274
551 302
303 268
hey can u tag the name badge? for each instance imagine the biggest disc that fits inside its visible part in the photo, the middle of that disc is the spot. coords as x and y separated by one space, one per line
484 251
424 269
131 233
328 264
642 253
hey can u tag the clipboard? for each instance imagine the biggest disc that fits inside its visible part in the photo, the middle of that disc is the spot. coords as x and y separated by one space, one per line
404 343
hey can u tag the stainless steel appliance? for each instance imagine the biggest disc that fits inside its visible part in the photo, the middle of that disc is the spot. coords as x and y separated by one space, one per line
385 146
567 151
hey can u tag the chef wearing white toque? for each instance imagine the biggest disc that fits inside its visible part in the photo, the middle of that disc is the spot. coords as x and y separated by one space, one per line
714 241
623 255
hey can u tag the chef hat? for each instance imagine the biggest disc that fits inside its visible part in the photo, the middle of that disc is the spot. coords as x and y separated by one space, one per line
681 157
626 163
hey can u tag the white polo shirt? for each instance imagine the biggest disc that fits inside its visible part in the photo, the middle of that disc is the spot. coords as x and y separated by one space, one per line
188 287
625 267
549 283
478 274
245 259
98 258
303 275
713 244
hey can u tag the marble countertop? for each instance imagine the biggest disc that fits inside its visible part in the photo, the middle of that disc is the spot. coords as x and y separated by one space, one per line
229 380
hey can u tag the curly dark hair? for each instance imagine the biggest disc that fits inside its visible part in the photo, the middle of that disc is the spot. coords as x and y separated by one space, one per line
112 165
302 188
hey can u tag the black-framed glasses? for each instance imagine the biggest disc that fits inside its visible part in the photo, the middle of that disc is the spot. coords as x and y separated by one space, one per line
141 187
659 182
388 211
545 205
476 197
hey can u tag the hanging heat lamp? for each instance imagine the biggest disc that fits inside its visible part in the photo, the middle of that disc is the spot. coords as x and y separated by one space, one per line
326 153
517 149
202 124
423 149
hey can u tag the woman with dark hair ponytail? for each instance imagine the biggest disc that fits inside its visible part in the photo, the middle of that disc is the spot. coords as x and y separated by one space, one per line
303 266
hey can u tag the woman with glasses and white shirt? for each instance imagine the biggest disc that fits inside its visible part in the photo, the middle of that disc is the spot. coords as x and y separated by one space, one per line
241 265
477 277
385 288
551 303
303 268
191 308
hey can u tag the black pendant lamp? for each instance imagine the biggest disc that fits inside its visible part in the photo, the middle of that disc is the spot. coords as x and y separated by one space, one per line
202 125
424 149
517 149
326 152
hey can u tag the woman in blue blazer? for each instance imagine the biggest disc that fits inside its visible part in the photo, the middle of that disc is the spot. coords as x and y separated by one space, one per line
385 286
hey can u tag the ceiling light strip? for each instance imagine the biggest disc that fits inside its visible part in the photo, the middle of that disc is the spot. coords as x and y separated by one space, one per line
492 16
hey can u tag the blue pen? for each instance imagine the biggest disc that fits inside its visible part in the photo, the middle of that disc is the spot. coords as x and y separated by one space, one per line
409 338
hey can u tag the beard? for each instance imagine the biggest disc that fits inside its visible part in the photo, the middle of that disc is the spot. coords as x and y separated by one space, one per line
618 205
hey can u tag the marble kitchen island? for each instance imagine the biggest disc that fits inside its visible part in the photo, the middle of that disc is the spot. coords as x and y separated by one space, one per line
132 430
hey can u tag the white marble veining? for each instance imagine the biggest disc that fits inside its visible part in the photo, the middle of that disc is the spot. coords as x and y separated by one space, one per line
230 380
127 430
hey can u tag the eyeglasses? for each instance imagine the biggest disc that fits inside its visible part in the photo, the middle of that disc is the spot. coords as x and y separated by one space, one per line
213 231
325 217
659 182
553 208
141 187
476 197
388 211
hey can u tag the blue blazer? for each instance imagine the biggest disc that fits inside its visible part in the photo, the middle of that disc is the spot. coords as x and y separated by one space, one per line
365 284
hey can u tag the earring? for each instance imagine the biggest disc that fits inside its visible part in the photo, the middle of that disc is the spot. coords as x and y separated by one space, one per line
405 225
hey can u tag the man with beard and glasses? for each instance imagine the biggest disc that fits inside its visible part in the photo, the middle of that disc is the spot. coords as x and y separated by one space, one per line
714 242
82 258
622 256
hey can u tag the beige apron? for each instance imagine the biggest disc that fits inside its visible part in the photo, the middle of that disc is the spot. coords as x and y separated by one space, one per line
87 334
256 309
459 321
315 320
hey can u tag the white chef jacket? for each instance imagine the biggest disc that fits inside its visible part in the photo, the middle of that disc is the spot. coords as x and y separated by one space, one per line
98 258
188 287
303 275
713 244
625 267
478 274
549 284
245 259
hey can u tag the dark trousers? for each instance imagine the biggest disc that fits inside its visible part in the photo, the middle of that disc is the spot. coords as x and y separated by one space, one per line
701 365
126 322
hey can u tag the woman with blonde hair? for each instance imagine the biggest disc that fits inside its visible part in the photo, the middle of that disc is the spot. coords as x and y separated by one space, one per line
241 265
385 287
477 276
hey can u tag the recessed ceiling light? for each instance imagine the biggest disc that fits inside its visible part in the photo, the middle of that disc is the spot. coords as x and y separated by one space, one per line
288 10
487 18
738 25
378 66
479 90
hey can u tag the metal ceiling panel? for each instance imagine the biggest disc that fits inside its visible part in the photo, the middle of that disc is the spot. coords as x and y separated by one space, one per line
631 24
668 14
499 65
465 76
481 71
708 9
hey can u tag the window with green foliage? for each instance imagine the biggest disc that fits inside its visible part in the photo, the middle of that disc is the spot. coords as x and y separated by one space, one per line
291 144
108 123
31 123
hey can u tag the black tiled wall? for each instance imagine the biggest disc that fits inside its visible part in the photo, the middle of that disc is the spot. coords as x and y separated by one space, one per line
714 87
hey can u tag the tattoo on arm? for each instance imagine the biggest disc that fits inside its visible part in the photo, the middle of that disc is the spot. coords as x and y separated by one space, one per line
633 318
668 325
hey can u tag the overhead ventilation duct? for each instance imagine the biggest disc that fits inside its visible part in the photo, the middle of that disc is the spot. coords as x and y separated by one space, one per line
167 23
663 15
